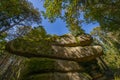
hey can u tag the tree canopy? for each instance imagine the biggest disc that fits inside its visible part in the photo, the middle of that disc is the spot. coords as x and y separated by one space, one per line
105 12
17 13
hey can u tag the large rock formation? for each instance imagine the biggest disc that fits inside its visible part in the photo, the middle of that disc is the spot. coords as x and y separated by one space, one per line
66 58
61 48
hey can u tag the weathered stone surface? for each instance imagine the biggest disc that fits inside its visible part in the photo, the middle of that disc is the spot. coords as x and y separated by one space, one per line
58 60
68 76
44 65
66 53
78 53
72 66
66 50
10 67
58 76
48 69
52 69
45 76
70 40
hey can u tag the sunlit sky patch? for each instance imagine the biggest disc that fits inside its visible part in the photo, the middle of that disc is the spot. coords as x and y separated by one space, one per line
58 27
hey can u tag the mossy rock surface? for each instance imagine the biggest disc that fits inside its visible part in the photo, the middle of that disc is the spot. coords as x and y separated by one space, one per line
35 65
45 76
59 76
52 69
42 66
58 61
70 40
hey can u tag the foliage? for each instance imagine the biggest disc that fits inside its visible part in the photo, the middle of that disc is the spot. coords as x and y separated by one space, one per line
37 33
74 12
37 38
105 12
2 42
67 10
35 66
17 32
13 14
111 48
117 75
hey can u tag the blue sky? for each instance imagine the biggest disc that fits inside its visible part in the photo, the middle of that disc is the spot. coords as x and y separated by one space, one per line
58 27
